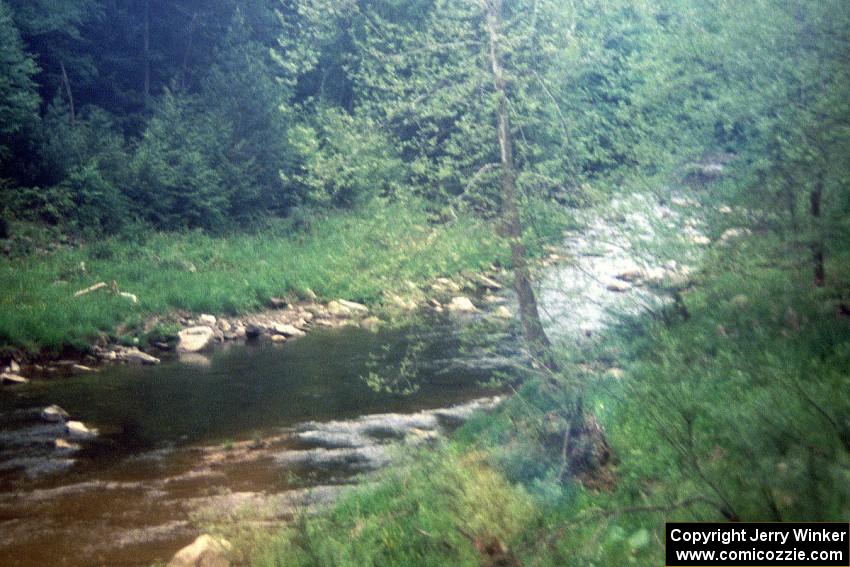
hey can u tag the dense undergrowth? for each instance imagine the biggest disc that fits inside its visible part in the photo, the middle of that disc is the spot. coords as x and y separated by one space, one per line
731 406
354 255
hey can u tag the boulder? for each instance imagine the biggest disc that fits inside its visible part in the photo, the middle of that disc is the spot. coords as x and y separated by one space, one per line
338 309
370 323
461 304
288 330
9 378
205 551
503 312
54 414
353 306
205 319
445 285
194 339
78 430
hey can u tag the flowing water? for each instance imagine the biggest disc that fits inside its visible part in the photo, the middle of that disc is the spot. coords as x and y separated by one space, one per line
247 426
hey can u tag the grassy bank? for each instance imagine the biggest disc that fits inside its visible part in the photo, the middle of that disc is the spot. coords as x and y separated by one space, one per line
353 255
730 406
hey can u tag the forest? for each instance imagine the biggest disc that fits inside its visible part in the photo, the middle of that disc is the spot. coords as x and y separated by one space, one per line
644 203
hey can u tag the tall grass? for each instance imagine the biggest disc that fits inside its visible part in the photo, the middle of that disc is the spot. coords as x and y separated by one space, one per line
354 255
410 518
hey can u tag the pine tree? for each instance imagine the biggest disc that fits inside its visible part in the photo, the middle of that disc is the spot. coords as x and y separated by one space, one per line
19 98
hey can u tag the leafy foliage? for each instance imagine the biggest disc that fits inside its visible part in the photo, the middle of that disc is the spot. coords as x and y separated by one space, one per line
18 96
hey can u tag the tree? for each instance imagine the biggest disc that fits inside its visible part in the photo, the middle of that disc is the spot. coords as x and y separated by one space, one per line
767 81
177 184
19 98
458 82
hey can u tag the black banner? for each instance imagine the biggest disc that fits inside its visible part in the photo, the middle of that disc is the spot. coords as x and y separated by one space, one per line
758 544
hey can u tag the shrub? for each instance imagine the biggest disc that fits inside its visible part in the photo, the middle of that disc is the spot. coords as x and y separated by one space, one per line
345 160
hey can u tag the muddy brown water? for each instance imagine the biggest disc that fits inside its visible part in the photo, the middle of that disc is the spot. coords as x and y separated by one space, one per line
203 436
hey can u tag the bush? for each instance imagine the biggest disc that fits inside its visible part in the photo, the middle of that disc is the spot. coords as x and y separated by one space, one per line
84 203
345 160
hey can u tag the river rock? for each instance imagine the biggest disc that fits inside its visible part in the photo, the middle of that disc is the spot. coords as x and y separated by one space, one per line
353 306
194 339
252 330
78 430
461 304
618 286
54 414
488 283
338 309
205 319
733 233
9 378
135 355
205 551
401 303
65 446
503 312
288 330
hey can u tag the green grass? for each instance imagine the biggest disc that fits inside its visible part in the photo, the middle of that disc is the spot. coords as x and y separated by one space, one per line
410 517
352 255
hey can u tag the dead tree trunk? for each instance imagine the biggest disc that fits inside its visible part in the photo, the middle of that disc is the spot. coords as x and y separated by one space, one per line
67 82
585 450
536 337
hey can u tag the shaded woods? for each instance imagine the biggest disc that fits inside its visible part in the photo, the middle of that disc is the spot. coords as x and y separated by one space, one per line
358 148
